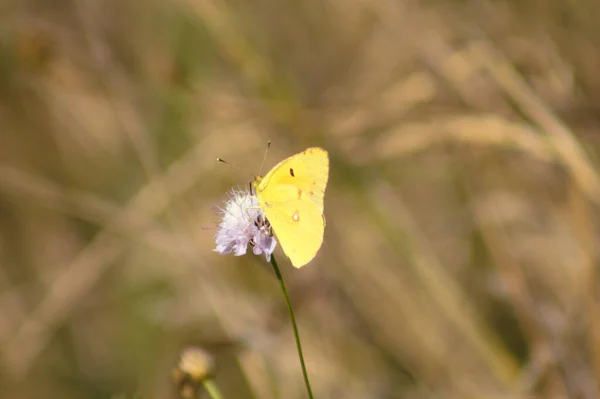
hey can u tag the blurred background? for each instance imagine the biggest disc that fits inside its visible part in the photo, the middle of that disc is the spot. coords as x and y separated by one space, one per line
460 254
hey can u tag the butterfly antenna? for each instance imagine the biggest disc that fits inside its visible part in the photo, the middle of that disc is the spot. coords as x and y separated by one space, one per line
264 157
233 166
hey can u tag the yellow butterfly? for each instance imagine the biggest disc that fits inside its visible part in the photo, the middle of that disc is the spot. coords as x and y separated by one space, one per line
291 197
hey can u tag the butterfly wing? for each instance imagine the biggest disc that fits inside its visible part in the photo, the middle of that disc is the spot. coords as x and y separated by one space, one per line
300 239
291 196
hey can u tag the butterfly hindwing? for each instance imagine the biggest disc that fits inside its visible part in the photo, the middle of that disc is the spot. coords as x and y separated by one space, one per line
299 228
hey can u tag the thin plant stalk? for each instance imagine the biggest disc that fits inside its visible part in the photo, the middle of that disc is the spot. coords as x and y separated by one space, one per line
294 326
212 388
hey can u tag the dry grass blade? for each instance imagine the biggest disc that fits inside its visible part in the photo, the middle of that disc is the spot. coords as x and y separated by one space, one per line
560 138
23 186
500 133
30 338
20 184
448 295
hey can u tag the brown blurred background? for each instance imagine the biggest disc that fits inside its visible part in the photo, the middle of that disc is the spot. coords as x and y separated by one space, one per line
460 254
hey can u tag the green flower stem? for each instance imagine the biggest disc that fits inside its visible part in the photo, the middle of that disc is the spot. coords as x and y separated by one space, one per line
212 389
294 326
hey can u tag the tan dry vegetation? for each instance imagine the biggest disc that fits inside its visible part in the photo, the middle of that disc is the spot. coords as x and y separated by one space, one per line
459 258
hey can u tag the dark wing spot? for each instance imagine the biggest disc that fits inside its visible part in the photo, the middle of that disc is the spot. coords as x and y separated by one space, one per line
292 172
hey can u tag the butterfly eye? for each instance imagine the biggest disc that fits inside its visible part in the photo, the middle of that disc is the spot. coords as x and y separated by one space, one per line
292 172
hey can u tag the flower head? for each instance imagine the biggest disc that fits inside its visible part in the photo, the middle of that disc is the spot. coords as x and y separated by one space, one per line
195 367
243 223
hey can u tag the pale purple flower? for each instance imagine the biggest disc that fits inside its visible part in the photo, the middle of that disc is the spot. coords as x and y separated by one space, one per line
243 223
